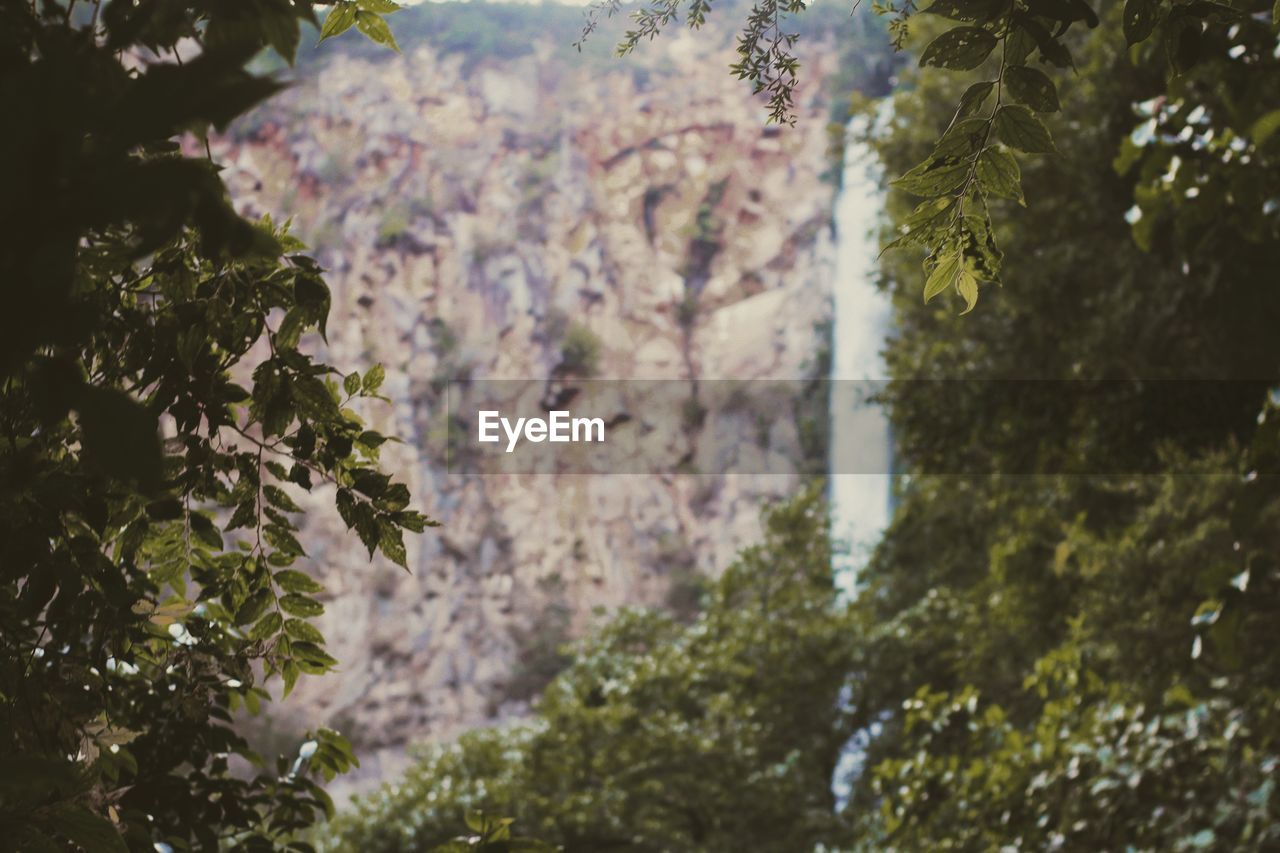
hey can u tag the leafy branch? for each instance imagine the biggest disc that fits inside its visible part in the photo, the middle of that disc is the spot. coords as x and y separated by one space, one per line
976 158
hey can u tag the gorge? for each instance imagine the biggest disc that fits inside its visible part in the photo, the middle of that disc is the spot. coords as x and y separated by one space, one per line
492 213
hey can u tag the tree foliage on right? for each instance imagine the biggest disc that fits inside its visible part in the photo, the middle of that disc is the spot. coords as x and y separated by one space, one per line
1079 661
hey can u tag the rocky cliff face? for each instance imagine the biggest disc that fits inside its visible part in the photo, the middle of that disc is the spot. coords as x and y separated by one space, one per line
524 219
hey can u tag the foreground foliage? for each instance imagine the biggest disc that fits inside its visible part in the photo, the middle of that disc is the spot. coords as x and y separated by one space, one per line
160 415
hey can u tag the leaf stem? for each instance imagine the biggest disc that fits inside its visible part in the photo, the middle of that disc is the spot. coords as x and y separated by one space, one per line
972 177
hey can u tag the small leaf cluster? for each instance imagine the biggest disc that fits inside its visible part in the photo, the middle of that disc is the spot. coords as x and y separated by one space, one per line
366 16
973 162
766 45
1204 155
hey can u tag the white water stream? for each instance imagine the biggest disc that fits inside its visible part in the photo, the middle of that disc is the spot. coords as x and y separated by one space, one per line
860 453
860 449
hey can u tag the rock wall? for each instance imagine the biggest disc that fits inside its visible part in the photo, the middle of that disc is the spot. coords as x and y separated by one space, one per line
502 219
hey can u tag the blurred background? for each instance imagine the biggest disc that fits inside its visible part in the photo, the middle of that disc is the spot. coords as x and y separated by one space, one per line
494 203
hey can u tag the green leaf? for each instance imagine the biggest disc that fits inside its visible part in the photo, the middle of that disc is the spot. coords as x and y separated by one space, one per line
1017 127
1140 17
280 559
352 383
85 829
415 521
959 49
933 178
300 475
290 673
967 286
304 631
998 174
1265 127
205 530
382 7
253 607
280 28
1183 42
312 653
926 220
266 627
359 516
974 97
280 498
982 257
391 543
314 398
286 338
292 580
376 29
962 139
373 379
1031 87
339 20
284 541
943 276
312 293
394 499
301 605
370 482
1029 32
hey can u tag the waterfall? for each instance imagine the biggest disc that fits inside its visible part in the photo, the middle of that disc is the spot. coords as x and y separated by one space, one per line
860 448
859 455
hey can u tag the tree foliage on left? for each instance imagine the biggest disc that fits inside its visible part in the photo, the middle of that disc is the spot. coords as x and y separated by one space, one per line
160 412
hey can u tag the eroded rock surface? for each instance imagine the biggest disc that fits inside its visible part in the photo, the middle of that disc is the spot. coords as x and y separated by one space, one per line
485 223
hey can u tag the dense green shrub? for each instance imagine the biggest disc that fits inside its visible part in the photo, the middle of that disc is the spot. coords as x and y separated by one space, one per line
580 350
